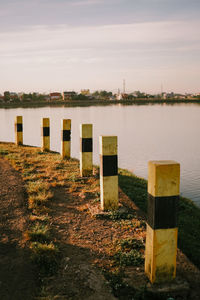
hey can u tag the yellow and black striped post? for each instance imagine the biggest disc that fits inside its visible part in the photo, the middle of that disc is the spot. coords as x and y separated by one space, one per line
108 172
45 134
19 130
162 231
66 138
86 149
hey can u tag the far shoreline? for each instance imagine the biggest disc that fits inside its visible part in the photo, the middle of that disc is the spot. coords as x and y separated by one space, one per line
82 103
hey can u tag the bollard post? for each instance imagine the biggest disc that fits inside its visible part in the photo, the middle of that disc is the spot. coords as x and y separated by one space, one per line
108 172
66 138
45 134
19 130
86 148
162 231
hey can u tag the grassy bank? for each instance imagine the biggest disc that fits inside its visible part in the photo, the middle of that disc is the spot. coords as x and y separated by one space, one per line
188 217
45 174
94 102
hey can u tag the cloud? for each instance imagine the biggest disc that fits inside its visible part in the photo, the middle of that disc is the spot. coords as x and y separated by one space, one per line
138 50
121 36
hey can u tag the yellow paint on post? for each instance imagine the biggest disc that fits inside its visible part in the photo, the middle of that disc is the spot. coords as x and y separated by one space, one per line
108 145
45 135
160 254
108 173
66 142
19 131
109 192
163 178
161 243
86 153
86 165
86 131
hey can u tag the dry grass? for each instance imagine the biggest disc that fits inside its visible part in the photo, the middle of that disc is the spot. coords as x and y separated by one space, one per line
43 173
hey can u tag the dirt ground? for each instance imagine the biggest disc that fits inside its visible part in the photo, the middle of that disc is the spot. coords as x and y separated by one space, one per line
84 243
17 279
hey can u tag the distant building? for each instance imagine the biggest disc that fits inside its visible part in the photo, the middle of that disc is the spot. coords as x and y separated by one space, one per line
13 96
47 97
20 95
68 95
122 96
1 97
55 96
85 92
164 95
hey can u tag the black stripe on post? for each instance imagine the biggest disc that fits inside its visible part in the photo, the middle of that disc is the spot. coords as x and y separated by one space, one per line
66 135
19 127
86 145
162 212
109 165
46 131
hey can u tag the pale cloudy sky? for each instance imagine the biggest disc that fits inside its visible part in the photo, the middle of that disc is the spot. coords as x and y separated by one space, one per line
56 45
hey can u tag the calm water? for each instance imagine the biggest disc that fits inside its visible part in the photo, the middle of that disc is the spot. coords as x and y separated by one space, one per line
145 132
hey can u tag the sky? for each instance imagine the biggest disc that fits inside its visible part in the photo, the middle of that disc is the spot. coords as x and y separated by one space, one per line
63 45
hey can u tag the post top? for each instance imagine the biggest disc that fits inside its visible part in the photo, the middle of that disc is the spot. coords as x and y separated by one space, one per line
66 120
86 130
66 124
163 162
45 122
19 119
108 145
163 178
85 125
108 136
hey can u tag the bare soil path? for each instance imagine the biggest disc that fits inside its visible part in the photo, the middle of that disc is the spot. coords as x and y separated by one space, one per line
16 271
78 277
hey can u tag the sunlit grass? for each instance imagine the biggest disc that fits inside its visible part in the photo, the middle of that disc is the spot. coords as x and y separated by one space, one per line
38 233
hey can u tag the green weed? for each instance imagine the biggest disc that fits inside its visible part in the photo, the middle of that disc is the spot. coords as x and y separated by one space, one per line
46 257
3 152
119 215
131 258
39 233
130 243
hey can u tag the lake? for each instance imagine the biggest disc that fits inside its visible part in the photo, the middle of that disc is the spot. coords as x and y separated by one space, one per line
145 132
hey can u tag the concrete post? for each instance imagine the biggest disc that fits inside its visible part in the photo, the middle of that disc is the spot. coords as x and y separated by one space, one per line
66 138
108 172
45 134
19 130
162 231
86 148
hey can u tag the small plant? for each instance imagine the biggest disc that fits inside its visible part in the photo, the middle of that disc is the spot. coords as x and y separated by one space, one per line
37 200
59 166
119 215
74 178
46 257
3 152
132 258
130 243
128 252
37 186
39 233
40 153
120 289
39 218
